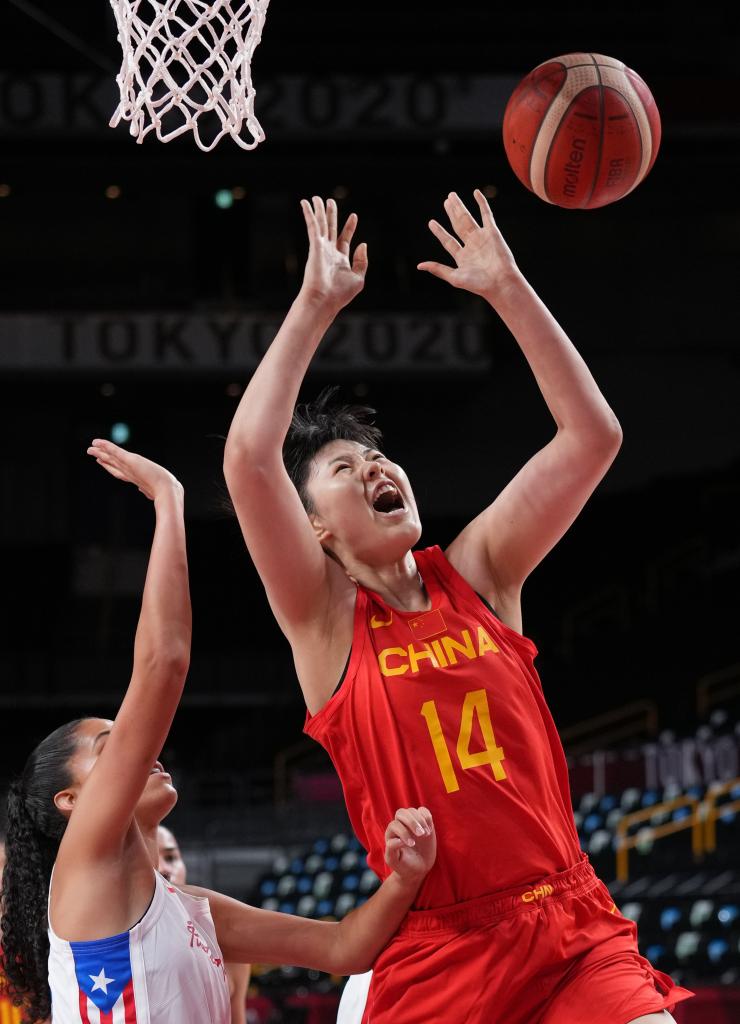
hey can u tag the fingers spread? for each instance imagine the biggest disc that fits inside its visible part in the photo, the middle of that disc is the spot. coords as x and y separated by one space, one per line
449 242
347 232
439 270
331 220
309 217
485 209
359 260
460 217
320 213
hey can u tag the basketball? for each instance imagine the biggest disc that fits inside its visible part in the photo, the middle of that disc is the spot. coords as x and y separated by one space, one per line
581 131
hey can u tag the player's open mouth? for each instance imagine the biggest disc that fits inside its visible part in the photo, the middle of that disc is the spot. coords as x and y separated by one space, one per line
387 499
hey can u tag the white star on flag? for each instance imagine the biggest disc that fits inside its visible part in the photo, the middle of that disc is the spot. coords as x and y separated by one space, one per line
101 982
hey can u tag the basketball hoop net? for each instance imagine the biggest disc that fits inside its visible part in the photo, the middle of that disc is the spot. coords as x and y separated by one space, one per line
183 59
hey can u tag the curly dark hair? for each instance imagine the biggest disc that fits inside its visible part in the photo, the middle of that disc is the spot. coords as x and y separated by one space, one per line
34 830
316 424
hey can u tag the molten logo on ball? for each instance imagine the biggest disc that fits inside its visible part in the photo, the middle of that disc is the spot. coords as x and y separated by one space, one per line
581 131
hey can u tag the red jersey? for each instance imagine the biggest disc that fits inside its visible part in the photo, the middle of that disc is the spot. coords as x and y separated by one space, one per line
445 709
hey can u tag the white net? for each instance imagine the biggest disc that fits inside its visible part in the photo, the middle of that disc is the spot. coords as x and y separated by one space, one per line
185 60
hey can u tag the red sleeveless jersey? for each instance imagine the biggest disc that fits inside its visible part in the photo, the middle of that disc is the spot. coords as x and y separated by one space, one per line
445 709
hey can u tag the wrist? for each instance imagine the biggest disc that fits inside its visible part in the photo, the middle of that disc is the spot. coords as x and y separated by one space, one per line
506 288
318 305
407 887
169 493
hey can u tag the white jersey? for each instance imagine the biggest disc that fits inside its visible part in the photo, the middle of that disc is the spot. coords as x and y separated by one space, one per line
167 969
354 997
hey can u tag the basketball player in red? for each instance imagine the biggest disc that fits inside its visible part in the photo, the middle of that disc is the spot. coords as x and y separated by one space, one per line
416 675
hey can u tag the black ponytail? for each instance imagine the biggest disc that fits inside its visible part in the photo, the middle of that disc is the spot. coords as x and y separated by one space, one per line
34 831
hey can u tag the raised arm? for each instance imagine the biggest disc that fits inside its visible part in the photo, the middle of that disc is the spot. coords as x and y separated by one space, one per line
104 809
349 946
293 568
497 550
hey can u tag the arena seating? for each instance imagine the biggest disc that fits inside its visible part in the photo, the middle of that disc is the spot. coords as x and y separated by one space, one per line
686 907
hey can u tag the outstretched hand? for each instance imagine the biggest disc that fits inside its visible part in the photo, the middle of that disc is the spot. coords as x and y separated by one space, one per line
411 843
330 277
150 478
484 262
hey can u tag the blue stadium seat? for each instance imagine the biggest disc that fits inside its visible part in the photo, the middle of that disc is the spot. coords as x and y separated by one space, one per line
649 797
350 883
614 817
632 911
630 799
280 865
349 860
322 884
314 863
339 843
286 885
306 906
344 904
701 913
592 822
718 951
321 846
728 915
670 918
287 907
324 908
657 954
588 802
369 881
687 946
600 841
304 885
268 887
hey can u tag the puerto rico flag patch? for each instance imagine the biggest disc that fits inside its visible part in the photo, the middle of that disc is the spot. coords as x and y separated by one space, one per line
105 980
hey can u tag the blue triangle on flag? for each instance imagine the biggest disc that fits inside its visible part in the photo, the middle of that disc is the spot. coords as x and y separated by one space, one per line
103 969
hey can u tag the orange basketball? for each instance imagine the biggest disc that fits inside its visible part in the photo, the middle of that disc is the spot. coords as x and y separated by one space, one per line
581 131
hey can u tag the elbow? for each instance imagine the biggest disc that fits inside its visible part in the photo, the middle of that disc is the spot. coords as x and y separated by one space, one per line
612 434
168 666
346 965
602 436
608 436
243 460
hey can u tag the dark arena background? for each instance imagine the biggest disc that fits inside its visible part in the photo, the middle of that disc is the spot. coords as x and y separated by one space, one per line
140 284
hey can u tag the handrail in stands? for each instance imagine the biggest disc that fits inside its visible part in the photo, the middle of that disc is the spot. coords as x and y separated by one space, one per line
629 721
625 843
716 687
712 811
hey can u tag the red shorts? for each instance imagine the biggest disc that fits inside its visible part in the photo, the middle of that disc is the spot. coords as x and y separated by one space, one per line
556 953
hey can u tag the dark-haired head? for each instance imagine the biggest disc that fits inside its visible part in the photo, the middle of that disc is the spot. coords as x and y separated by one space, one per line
318 423
332 455
35 827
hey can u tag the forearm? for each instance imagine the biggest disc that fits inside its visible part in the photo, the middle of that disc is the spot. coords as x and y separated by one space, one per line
164 631
363 934
263 417
566 383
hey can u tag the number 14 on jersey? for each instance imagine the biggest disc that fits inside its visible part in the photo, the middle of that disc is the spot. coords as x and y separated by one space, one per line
475 705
